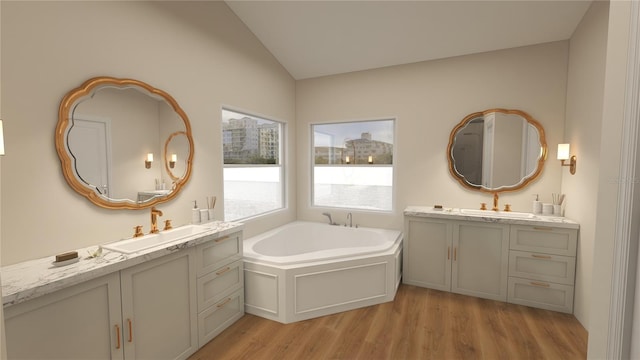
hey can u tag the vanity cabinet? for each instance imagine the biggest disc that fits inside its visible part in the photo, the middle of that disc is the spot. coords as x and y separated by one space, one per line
220 283
158 308
75 323
461 257
529 265
146 311
542 265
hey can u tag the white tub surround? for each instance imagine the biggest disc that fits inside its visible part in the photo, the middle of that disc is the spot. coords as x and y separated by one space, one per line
161 302
527 260
304 270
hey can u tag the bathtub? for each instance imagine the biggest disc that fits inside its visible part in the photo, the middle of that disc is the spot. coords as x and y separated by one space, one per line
304 270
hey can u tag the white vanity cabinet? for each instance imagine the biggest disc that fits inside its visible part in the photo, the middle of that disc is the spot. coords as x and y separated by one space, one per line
79 322
220 283
462 257
158 308
146 311
528 262
542 265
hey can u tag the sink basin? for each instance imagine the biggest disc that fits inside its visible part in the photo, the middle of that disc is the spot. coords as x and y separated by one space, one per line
132 245
500 214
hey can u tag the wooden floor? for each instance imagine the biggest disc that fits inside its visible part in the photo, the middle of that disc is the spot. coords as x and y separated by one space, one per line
419 324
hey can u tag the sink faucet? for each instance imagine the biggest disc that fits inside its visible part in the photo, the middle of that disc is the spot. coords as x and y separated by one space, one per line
329 216
495 202
350 218
154 220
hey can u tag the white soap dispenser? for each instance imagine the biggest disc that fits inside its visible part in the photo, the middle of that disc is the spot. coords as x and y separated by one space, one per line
537 205
195 213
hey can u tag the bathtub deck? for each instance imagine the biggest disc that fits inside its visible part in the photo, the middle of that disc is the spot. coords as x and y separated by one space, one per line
419 324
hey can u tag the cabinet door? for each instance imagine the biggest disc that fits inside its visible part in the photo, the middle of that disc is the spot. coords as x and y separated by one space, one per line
79 322
159 312
427 253
480 260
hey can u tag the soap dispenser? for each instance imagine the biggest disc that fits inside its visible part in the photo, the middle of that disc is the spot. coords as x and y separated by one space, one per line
195 213
537 205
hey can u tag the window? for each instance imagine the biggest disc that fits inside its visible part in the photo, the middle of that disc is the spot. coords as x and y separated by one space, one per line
353 165
253 171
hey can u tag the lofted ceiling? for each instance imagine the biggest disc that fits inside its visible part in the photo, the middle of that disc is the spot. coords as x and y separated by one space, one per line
317 38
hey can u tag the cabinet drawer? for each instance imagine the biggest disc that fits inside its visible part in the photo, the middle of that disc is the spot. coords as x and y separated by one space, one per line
544 267
218 252
544 295
544 240
218 317
214 286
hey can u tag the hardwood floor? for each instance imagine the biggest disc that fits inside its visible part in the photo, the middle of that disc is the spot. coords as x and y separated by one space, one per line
419 324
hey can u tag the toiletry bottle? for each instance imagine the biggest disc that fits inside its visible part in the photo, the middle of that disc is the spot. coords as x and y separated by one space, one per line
537 205
195 213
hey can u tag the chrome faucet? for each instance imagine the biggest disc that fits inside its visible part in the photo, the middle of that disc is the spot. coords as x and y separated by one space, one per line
329 216
350 218
154 220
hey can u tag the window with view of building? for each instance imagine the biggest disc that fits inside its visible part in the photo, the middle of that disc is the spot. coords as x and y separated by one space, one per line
353 165
253 171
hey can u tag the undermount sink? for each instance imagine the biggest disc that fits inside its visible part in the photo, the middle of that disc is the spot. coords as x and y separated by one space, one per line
132 245
501 214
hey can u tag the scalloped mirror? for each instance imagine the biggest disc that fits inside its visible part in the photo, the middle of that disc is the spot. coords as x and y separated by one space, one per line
497 150
106 129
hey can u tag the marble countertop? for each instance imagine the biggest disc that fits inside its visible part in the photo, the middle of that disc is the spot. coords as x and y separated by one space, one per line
490 216
30 279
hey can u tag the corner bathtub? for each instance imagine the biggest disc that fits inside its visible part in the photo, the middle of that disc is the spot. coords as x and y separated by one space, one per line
304 270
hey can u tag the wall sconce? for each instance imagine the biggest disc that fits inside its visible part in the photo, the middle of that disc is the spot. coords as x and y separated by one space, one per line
1 139
172 162
347 160
564 154
148 161
370 159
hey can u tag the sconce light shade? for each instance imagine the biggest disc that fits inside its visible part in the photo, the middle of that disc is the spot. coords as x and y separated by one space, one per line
563 151
148 161
172 162
565 154
347 160
370 159
1 139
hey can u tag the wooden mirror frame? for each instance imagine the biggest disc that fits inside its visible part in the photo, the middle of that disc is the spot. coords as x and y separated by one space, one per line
86 90
525 181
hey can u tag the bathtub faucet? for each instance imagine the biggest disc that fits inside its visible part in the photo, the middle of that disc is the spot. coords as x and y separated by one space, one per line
350 218
329 216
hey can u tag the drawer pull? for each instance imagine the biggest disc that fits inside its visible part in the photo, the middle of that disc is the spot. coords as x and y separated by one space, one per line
220 272
223 303
540 284
117 337
541 256
544 228
218 240
130 331
455 254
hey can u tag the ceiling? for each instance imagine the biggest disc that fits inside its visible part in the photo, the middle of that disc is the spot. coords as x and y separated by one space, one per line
317 38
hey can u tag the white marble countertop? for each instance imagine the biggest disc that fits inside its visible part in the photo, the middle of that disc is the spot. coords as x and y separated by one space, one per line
30 279
490 216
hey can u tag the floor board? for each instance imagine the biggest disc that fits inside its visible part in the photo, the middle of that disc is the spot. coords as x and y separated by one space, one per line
419 324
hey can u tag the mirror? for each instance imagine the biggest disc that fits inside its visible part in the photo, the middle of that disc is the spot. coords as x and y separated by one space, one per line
497 150
108 127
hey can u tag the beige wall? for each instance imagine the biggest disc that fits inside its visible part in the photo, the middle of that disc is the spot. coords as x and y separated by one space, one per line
428 99
198 52
585 91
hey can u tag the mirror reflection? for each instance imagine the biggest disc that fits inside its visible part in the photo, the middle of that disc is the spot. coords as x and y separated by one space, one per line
112 138
497 150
